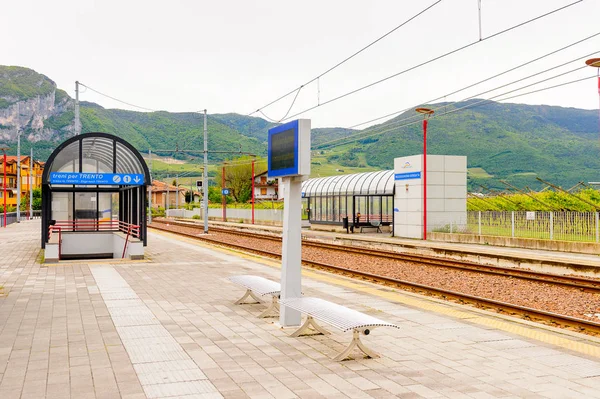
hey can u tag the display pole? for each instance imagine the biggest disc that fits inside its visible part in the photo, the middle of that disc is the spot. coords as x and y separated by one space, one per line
291 275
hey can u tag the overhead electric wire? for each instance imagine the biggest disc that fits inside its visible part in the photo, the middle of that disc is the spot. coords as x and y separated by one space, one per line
481 81
116 99
434 59
344 61
392 122
358 136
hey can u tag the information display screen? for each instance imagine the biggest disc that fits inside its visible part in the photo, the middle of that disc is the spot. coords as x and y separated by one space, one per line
283 150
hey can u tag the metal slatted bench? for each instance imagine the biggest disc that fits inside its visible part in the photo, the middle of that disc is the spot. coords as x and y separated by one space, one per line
338 316
261 286
372 225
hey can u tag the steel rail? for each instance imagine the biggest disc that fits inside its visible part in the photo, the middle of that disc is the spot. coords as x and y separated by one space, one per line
588 284
536 315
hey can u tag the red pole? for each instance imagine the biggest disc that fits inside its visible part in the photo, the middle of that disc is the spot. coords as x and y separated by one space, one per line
4 187
252 191
424 179
224 203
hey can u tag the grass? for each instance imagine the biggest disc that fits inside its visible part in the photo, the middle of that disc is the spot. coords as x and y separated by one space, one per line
479 173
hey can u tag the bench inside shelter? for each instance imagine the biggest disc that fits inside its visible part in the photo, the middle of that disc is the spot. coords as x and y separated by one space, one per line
337 316
256 285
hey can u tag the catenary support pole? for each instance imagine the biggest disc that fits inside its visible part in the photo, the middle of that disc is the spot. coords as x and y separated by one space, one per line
19 177
253 191
77 121
4 186
30 182
205 177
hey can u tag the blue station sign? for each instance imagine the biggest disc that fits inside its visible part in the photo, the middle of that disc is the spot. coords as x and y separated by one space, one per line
113 179
225 191
407 176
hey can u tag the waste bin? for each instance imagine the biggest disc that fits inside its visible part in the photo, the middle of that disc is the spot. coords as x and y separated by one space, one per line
345 223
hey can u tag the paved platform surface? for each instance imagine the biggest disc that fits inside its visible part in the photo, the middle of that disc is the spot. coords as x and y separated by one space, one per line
167 327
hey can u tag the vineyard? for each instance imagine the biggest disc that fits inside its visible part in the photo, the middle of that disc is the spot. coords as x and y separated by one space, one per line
586 199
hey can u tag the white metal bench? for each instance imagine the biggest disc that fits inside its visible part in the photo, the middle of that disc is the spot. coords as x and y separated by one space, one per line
261 286
338 316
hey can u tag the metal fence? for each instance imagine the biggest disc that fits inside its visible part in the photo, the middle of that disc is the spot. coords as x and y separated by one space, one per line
563 226
11 217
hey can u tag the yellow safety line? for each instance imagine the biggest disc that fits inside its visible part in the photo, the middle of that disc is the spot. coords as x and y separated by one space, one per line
513 327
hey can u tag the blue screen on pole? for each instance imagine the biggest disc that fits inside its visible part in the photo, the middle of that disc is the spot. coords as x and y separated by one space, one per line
112 179
283 150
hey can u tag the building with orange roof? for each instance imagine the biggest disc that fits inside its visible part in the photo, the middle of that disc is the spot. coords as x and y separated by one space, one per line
164 194
31 175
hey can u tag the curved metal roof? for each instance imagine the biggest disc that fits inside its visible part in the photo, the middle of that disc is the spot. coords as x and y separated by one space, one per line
96 152
369 183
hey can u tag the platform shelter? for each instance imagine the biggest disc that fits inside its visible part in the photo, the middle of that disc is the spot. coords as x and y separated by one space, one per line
94 201
331 199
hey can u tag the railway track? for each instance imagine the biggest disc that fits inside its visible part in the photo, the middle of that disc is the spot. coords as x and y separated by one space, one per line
589 284
536 315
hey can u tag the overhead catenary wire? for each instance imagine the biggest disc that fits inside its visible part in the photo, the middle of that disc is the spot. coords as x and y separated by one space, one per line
116 99
481 81
345 60
433 59
390 123
479 103
395 122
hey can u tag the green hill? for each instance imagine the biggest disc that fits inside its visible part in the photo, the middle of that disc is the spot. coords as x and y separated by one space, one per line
515 142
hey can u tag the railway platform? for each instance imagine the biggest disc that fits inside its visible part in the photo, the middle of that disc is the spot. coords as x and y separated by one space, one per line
167 327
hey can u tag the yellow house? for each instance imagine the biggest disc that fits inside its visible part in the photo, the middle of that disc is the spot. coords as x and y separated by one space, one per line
31 175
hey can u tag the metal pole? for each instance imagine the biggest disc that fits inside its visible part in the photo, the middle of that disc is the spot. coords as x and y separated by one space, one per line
253 191
512 223
177 192
223 200
597 227
205 176
77 121
4 186
479 222
167 198
425 179
19 177
150 190
552 225
31 184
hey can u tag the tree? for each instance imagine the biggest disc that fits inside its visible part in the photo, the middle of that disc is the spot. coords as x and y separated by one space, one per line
37 200
238 177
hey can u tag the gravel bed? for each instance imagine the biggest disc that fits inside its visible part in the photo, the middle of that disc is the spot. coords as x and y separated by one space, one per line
543 296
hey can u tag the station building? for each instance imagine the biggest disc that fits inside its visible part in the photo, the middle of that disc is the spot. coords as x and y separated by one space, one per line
94 199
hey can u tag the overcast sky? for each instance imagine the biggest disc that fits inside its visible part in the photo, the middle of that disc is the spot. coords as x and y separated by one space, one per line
236 56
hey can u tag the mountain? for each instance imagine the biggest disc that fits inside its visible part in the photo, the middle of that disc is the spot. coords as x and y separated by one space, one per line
513 142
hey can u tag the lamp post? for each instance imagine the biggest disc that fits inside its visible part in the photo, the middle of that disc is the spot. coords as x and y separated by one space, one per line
595 62
426 114
4 181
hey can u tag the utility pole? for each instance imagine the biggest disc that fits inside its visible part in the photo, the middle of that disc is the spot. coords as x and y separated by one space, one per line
77 122
31 168
223 200
167 200
150 190
205 176
19 176
3 149
177 191
253 191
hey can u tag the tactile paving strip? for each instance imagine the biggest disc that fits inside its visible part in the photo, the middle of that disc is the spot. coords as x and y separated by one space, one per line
162 365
